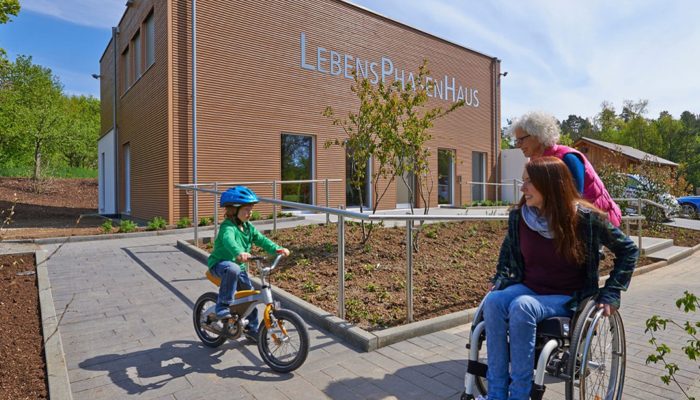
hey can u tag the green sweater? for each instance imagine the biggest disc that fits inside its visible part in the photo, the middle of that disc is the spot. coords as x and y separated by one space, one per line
232 241
595 232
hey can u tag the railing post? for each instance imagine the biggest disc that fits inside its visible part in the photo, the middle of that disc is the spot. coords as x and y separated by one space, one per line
274 207
341 265
639 223
216 210
195 216
409 270
515 191
328 216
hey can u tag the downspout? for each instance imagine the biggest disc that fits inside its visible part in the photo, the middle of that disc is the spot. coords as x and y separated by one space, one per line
115 32
195 219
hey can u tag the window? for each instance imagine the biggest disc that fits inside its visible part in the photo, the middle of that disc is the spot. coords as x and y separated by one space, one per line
149 40
478 176
353 196
136 53
445 176
126 63
297 164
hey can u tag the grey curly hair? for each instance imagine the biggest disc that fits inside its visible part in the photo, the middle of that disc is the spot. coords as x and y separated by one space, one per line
544 127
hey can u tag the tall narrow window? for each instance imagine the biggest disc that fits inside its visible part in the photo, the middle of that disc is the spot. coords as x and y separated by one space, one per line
126 63
445 176
136 54
150 39
297 164
354 196
478 176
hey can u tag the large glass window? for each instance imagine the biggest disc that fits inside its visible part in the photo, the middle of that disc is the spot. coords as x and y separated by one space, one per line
355 197
126 62
297 164
445 176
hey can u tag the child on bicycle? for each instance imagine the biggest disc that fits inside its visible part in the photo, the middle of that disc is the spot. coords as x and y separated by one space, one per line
232 249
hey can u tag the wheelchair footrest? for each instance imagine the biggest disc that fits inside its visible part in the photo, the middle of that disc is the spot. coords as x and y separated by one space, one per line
537 391
477 368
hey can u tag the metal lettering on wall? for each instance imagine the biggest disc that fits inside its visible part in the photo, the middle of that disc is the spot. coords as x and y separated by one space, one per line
334 63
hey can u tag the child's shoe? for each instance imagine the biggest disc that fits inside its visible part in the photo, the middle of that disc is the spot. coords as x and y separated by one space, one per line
222 311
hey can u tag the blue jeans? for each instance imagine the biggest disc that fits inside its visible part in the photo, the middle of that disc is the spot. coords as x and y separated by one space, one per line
511 316
232 278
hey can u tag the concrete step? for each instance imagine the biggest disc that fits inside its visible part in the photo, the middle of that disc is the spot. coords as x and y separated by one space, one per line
651 244
671 254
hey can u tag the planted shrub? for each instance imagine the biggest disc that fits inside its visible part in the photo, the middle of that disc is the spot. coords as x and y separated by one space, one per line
156 224
255 215
107 226
184 222
204 221
126 226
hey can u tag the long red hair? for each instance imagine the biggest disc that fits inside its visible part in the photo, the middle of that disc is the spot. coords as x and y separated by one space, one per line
552 178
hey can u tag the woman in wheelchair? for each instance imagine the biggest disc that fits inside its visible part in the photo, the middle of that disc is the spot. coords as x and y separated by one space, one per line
547 265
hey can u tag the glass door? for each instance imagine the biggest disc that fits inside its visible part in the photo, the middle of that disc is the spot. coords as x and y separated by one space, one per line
297 165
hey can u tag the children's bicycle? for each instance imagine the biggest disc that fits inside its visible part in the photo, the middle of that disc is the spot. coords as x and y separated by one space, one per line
283 340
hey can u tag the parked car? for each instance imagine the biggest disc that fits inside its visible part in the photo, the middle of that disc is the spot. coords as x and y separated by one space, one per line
638 186
690 206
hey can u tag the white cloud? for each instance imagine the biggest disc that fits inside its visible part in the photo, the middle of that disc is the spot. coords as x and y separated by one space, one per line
95 13
567 57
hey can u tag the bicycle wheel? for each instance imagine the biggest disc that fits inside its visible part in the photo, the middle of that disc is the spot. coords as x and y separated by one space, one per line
285 345
596 365
209 330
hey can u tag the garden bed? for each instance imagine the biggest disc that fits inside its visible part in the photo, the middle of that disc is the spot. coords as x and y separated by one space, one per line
451 269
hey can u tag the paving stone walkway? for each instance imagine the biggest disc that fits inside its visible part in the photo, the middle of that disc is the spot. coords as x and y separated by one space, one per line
127 333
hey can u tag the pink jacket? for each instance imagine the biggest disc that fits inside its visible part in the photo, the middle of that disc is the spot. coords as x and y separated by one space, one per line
593 188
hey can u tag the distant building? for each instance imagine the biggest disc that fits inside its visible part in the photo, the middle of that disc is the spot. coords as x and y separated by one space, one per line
599 153
266 70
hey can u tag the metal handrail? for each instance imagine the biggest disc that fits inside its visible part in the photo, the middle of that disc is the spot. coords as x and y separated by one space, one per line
410 219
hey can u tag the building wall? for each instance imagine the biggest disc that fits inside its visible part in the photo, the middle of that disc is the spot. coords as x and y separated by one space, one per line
106 89
142 117
251 88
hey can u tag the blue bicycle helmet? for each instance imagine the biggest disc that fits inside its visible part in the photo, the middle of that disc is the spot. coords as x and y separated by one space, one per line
238 196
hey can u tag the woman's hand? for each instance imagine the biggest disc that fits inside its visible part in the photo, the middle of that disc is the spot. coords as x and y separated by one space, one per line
243 257
608 309
283 251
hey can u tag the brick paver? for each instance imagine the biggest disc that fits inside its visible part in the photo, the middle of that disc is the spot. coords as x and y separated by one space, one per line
127 331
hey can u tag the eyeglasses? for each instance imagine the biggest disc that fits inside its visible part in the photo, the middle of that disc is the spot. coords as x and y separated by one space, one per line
519 141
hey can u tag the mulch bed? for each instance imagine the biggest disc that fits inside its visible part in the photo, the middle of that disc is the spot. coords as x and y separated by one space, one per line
23 370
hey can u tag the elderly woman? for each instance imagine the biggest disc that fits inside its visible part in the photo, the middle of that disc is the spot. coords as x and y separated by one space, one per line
537 134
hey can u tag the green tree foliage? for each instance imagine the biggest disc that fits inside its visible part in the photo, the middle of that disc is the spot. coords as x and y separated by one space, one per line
677 140
41 127
7 8
576 127
31 110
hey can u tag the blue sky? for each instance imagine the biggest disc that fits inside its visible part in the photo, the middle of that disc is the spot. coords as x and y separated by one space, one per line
562 56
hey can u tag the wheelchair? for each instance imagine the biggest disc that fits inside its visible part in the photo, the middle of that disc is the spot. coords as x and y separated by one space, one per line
590 359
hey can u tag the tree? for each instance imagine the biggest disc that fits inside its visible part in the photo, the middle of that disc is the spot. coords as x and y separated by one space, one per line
390 127
576 127
32 110
79 146
7 8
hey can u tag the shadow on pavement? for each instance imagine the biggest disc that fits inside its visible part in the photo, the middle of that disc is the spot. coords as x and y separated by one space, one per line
144 370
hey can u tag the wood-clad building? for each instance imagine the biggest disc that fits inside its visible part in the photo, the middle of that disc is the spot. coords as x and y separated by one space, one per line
265 72
601 153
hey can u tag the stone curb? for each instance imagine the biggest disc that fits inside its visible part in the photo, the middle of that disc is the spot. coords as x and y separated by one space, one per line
56 369
88 238
370 341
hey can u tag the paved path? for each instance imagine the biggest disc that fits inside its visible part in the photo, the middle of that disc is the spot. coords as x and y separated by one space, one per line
127 332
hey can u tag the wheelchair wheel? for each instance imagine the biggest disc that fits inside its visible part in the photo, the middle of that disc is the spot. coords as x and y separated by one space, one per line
285 345
597 354
209 330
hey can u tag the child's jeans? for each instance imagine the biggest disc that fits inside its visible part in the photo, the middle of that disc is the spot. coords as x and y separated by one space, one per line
511 316
232 279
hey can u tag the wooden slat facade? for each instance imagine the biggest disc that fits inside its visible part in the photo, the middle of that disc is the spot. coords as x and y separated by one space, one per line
251 88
